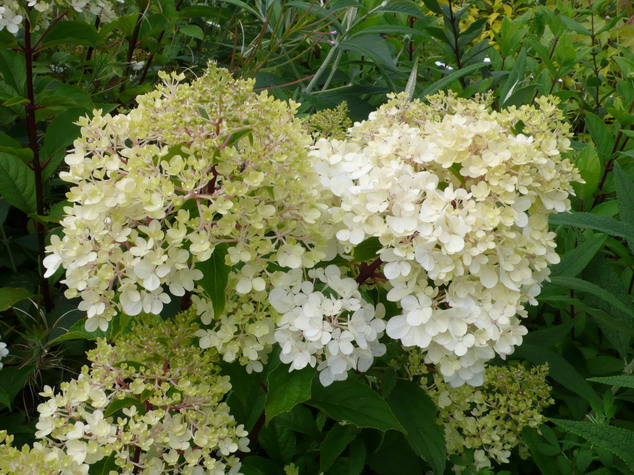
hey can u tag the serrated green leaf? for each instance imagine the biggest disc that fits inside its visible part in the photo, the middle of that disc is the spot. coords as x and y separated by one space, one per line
357 403
9 296
215 277
287 389
621 380
335 442
17 183
614 439
604 224
417 412
584 286
560 370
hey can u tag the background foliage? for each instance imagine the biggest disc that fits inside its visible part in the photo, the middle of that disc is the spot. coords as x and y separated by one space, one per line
320 55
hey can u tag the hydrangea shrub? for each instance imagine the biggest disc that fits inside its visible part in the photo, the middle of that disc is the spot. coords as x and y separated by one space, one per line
151 401
209 192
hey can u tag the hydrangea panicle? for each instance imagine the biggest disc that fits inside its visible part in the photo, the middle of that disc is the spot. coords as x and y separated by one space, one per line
459 200
155 191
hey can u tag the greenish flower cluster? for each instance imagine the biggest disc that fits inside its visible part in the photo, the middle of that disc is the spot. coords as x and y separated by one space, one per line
155 191
331 123
151 402
488 419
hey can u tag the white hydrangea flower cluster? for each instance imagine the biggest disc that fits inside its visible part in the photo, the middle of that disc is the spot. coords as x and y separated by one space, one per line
156 190
151 401
13 12
459 199
325 322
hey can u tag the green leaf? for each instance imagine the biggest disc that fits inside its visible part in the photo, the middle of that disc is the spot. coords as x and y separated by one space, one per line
335 442
409 8
589 166
371 46
119 404
357 403
625 195
622 380
514 78
9 296
614 439
78 332
287 389
193 31
575 260
367 250
13 379
4 398
15 101
600 133
433 6
70 33
560 370
583 286
417 412
451 78
533 440
244 6
17 183
62 131
215 277
604 224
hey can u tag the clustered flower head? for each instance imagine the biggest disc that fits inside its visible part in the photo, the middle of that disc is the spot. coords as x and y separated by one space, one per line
14 12
489 419
155 191
459 197
151 401
325 322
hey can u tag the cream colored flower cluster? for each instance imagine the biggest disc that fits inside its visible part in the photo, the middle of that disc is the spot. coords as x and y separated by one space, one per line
13 12
151 402
489 419
157 189
325 322
37 460
459 197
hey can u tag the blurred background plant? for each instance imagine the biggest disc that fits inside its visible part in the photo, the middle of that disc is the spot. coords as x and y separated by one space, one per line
58 64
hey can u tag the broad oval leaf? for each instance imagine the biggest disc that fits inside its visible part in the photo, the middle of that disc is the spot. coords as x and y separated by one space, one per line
287 389
215 277
417 412
17 183
357 403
